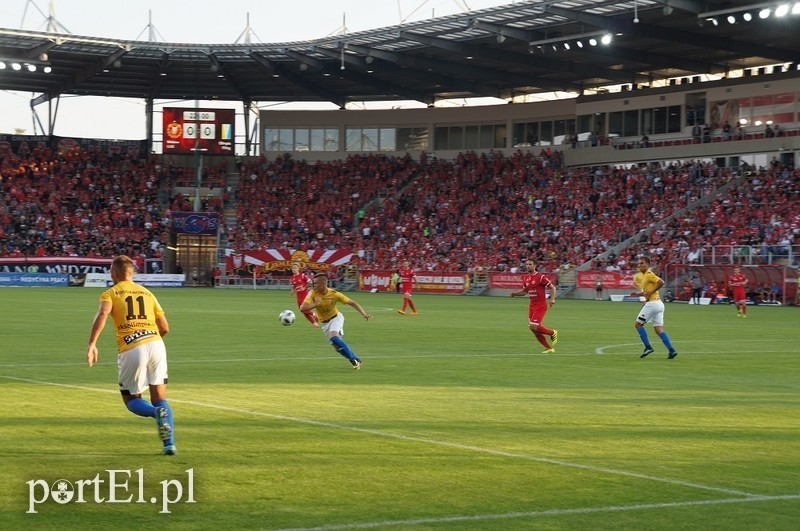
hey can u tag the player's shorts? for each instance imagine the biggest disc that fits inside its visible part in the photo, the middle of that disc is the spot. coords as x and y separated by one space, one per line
142 366
536 314
652 311
739 296
335 325
407 293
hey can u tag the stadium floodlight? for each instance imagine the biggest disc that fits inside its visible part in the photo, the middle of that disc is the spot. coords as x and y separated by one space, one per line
606 39
31 68
2 65
747 12
16 66
47 69
593 42
731 19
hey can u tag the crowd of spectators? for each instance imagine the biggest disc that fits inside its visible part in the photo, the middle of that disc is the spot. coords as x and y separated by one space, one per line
81 203
213 179
479 210
754 222
288 203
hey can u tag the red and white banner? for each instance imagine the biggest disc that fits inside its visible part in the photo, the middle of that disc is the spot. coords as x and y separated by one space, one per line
454 282
513 280
245 262
609 279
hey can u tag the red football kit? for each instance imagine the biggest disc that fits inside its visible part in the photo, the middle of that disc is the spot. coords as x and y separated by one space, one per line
738 282
299 284
407 277
536 285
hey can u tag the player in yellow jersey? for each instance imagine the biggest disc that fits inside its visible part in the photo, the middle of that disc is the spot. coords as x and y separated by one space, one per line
646 285
322 300
140 325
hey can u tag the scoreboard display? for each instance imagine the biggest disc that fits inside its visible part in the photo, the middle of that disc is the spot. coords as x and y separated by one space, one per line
209 131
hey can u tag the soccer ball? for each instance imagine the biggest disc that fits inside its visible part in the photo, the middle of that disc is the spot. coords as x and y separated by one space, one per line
286 317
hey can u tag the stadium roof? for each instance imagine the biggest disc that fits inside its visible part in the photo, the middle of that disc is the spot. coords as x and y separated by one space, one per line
500 52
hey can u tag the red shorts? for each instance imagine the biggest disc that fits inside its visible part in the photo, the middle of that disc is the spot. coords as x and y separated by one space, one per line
301 296
536 314
739 295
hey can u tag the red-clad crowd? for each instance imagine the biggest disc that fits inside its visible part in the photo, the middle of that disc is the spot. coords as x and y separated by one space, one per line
80 203
755 219
287 203
478 210
493 211
213 179
484 210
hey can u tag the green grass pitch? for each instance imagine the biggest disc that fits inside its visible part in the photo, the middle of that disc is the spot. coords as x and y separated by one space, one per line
455 421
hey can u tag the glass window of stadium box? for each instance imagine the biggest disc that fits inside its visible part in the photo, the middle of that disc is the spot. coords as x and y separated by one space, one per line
525 133
441 138
615 123
695 108
388 139
456 138
324 139
674 119
585 123
625 123
490 136
278 139
471 137
630 123
361 139
499 135
546 133
301 140
412 139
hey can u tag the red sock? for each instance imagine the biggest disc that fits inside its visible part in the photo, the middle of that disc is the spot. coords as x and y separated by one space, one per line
544 330
543 340
411 303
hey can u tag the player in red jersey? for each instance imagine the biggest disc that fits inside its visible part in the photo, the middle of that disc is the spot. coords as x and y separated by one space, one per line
739 284
300 282
534 284
407 277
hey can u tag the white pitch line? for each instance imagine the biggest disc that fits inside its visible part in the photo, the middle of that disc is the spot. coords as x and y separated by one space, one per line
552 512
424 440
601 350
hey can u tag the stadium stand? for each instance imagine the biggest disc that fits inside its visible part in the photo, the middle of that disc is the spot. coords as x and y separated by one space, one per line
480 209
